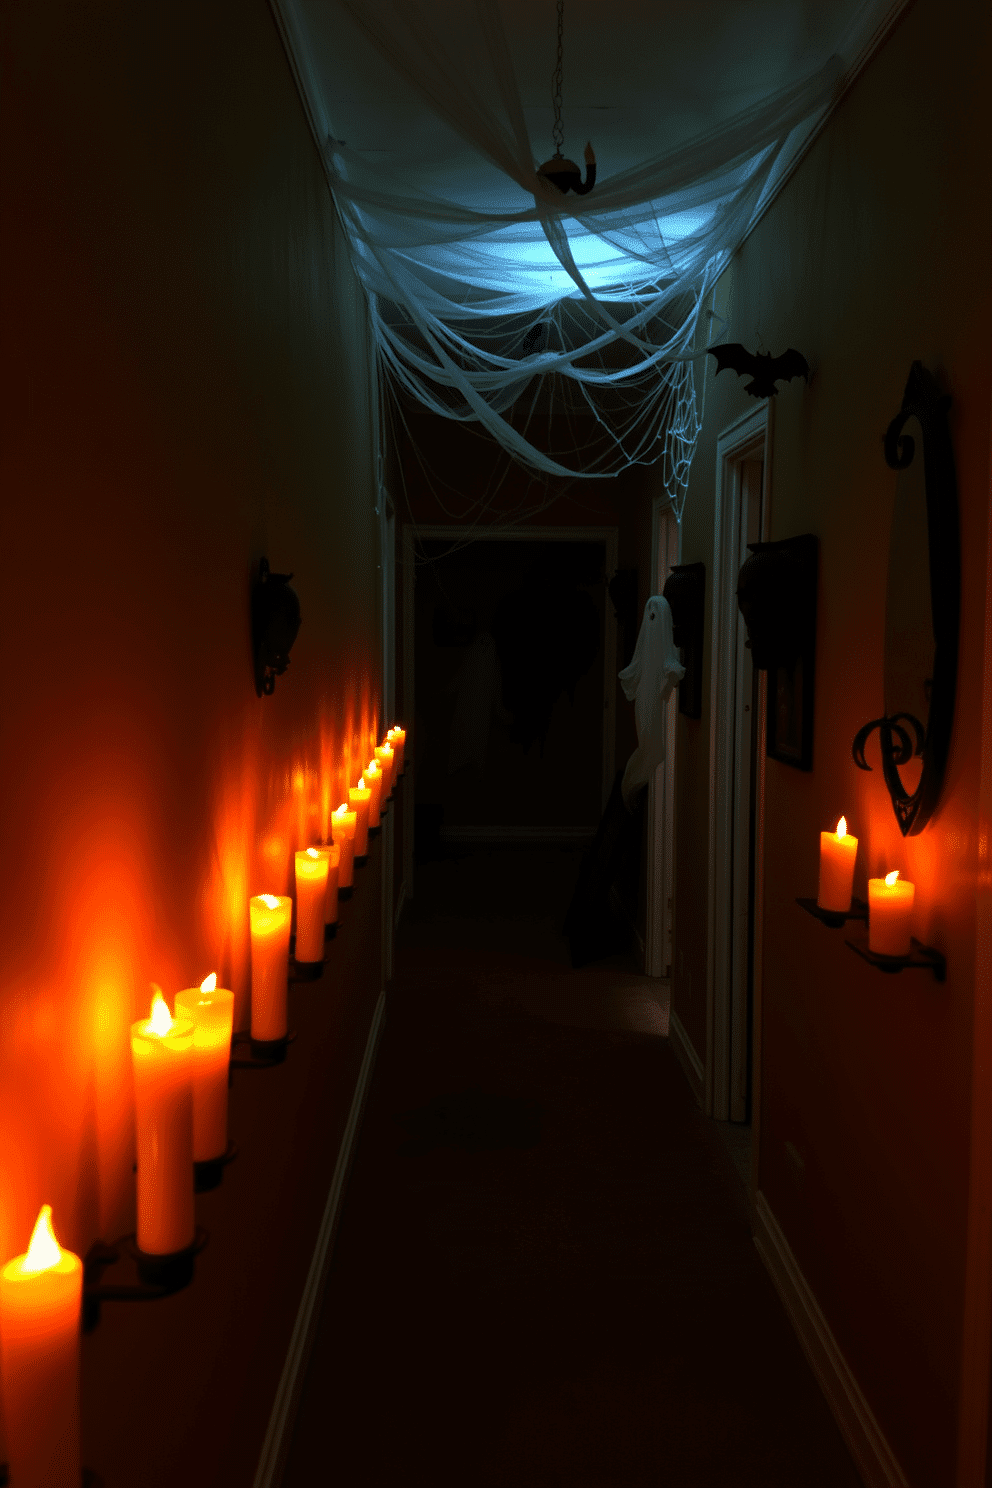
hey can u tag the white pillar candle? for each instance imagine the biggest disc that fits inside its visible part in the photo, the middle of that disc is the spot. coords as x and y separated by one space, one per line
343 825
311 894
359 797
385 760
890 914
162 1055
372 777
397 738
40 1300
333 855
271 916
211 1011
838 851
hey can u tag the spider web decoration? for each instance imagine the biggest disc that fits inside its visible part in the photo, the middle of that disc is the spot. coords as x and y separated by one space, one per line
486 285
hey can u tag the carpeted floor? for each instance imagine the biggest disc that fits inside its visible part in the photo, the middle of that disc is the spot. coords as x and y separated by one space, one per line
544 1273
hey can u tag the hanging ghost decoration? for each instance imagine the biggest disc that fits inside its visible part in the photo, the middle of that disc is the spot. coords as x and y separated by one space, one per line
647 683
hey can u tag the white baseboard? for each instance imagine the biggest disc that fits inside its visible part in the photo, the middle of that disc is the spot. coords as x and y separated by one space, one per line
517 834
275 1448
686 1055
874 1457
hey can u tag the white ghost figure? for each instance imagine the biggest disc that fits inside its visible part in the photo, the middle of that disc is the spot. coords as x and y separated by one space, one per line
647 683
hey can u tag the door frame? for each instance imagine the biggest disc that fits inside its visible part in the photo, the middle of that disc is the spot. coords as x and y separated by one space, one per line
666 550
748 435
609 536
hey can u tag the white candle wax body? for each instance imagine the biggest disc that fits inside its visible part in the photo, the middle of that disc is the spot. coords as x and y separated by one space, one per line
890 916
39 1370
333 855
270 926
358 799
212 1016
385 760
372 776
397 738
837 855
163 1119
343 824
311 895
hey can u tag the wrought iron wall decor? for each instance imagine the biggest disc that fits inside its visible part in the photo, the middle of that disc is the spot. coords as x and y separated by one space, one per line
776 595
685 590
923 605
275 623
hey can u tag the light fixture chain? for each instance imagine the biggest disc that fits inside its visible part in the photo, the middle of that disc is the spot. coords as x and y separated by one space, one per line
558 133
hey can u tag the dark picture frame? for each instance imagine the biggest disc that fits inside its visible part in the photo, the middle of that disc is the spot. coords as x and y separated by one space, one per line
776 593
789 713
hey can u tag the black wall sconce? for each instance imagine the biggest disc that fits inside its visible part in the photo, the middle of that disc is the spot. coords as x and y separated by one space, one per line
685 590
275 623
922 606
776 595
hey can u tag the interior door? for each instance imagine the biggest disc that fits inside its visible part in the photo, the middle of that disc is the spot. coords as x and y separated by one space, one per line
749 473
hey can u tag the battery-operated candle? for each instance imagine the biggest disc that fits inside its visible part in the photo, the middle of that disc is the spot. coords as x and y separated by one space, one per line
359 797
838 851
162 1055
343 825
397 738
211 1011
311 895
890 914
372 776
333 855
40 1300
270 916
385 760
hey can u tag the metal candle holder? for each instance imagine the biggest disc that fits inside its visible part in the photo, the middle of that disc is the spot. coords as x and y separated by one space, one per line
158 1275
209 1174
261 1053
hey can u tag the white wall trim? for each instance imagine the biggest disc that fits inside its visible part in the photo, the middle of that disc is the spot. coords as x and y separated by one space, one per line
750 432
875 1459
685 1053
278 1437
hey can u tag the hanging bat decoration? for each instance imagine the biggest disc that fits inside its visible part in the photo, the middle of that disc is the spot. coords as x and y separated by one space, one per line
765 369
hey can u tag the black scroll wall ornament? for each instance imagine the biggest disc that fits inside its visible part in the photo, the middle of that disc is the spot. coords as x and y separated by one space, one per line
763 369
903 735
275 623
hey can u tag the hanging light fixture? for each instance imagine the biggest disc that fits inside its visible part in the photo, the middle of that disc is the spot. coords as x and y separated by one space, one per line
562 173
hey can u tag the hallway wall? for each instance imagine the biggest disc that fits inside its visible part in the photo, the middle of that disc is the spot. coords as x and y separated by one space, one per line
875 254
187 387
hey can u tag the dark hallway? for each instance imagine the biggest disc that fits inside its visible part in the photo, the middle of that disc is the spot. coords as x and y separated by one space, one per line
544 1271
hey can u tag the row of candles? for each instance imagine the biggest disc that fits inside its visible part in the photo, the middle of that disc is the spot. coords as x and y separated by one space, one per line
890 899
180 1066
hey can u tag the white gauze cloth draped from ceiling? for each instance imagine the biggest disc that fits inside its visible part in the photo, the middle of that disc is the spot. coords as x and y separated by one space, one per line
488 287
647 683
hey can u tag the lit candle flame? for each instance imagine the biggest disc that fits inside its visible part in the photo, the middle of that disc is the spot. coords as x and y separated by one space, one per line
44 1251
312 852
890 878
209 984
160 1021
361 783
842 827
341 809
269 900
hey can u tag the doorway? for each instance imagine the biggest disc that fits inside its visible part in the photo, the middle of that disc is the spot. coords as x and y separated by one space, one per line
737 775
666 546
